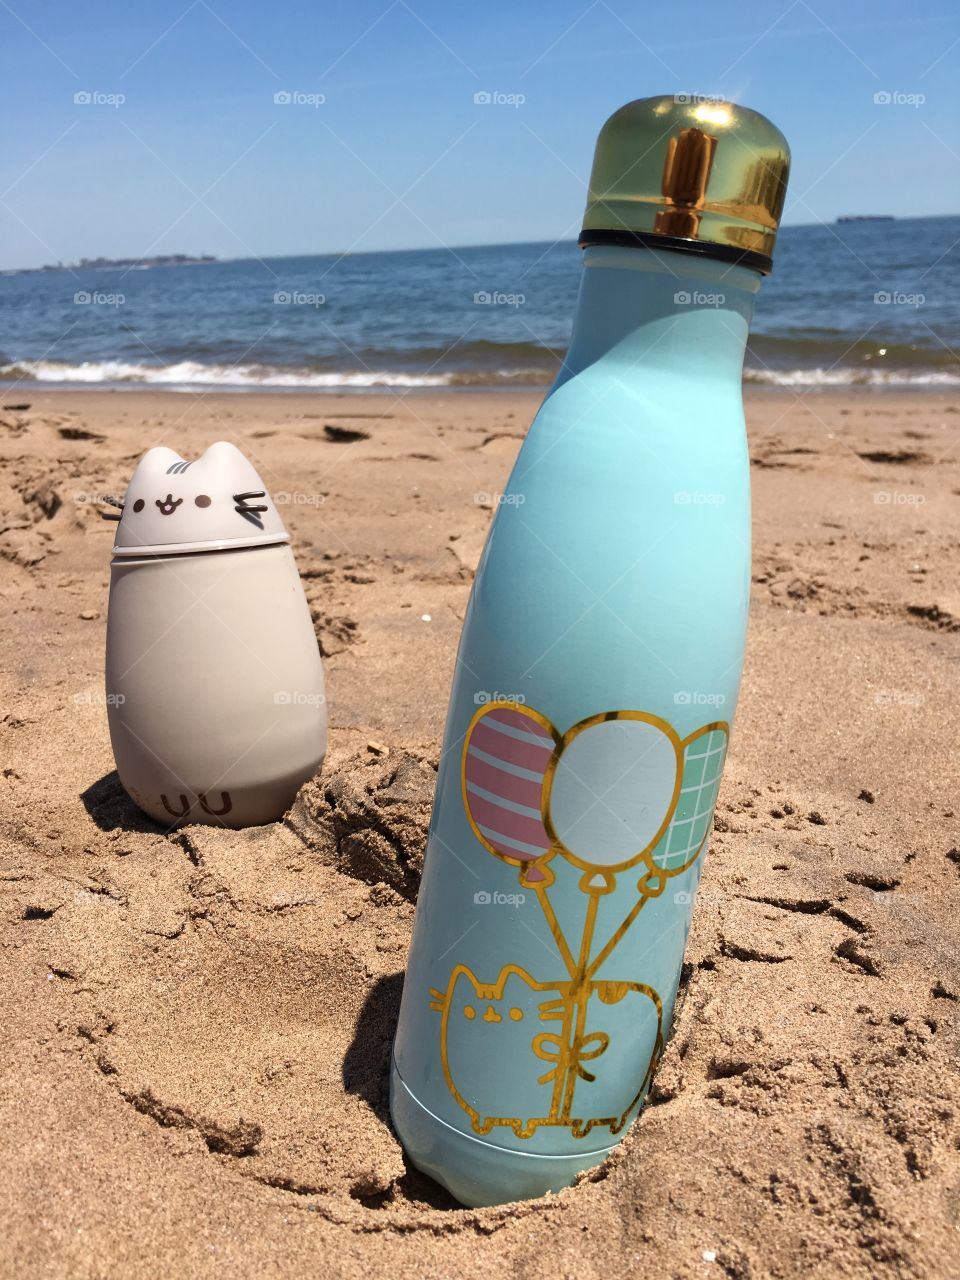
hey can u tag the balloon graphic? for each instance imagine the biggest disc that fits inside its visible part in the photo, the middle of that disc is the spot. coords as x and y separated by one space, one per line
530 792
691 823
506 755
607 818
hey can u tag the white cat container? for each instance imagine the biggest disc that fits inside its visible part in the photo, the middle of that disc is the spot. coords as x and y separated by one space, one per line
215 690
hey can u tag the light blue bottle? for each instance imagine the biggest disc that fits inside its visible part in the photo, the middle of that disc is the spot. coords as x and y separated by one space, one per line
596 680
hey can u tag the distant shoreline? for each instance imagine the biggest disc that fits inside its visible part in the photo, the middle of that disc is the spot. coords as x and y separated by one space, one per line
113 264
846 218
268 256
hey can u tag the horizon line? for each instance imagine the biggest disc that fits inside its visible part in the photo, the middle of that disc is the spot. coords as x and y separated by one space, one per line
451 248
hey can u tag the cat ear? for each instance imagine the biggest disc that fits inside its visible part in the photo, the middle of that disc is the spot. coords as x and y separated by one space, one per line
155 462
224 454
222 449
689 832
234 472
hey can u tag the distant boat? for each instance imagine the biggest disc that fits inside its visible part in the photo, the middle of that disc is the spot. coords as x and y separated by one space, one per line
866 217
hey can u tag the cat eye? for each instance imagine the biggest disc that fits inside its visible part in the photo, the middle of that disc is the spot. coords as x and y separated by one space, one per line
138 505
202 500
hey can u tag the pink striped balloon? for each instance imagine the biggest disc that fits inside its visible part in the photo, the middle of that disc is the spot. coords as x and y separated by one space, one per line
505 757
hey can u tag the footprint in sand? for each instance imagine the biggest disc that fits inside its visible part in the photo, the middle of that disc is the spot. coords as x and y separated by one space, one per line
343 435
893 457
79 433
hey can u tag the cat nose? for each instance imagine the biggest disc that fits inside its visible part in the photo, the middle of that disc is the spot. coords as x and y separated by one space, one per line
168 506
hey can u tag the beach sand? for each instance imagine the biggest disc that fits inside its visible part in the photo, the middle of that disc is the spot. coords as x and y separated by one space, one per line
196 1026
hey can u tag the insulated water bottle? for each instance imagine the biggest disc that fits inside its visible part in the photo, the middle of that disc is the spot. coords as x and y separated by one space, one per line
596 679
215 692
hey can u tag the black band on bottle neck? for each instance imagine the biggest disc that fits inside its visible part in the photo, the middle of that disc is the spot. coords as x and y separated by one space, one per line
701 248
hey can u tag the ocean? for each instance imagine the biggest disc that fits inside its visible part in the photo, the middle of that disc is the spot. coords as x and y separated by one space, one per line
861 304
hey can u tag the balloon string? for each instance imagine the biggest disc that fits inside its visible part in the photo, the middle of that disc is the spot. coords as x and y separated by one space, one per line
580 994
650 886
615 940
559 1073
558 936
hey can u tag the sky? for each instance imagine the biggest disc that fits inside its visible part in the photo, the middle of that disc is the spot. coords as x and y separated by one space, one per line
243 128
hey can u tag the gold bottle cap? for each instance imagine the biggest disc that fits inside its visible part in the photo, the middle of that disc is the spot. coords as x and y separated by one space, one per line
684 172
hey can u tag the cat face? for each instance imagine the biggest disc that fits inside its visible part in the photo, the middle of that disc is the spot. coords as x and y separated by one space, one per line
177 505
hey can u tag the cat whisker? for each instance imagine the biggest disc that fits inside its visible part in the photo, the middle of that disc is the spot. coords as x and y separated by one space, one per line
113 502
551 1009
251 514
250 511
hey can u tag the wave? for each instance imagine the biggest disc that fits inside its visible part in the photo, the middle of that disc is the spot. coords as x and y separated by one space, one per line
190 373
186 374
818 377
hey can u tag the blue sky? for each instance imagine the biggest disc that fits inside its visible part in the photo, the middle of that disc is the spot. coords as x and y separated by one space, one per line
198 157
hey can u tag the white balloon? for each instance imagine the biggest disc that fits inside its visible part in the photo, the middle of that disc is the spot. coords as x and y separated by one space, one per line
612 789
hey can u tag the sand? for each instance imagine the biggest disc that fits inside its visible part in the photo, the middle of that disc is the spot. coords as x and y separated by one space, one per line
196 1026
